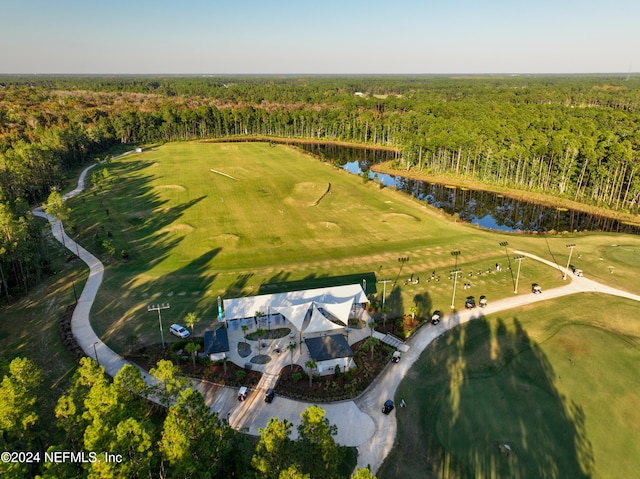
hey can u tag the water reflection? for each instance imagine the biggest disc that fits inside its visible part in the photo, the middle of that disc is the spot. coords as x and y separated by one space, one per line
488 210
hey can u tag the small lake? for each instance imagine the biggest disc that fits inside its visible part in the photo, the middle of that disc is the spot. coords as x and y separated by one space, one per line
487 210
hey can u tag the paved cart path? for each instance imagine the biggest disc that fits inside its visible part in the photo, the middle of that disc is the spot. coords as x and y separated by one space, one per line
360 422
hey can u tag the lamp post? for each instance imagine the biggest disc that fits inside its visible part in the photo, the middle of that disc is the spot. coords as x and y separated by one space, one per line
384 290
95 352
364 286
455 254
455 273
220 318
519 260
570 246
158 308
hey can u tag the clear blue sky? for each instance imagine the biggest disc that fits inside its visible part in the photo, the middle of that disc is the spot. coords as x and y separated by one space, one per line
324 36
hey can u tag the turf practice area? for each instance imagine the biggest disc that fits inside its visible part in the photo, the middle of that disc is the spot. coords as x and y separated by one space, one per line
548 392
200 220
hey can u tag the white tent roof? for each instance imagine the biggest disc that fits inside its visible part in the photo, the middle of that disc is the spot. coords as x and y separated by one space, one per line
341 310
320 323
337 300
295 314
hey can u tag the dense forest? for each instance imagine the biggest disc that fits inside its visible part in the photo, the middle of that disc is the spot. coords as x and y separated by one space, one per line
178 436
575 137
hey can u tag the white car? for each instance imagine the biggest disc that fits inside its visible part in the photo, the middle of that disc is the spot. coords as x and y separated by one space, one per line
179 331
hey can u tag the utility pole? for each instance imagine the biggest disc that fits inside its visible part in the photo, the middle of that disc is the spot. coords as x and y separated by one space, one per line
158 308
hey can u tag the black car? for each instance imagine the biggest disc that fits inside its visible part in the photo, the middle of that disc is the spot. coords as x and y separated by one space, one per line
470 303
269 396
388 406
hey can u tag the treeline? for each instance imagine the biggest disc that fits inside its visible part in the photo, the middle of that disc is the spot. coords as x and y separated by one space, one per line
179 437
575 137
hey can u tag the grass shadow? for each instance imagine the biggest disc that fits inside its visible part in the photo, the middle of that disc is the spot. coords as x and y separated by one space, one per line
482 401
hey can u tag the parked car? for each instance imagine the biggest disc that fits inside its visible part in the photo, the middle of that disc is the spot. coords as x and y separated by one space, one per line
269 396
536 288
388 406
179 331
435 319
470 303
242 393
395 358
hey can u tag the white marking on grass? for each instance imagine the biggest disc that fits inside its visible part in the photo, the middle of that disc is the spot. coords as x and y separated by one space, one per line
170 293
182 293
224 174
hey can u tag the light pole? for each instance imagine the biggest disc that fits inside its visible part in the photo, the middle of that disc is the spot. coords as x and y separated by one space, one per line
519 260
364 286
158 308
455 254
384 291
455 273
505 244
570 246
95 352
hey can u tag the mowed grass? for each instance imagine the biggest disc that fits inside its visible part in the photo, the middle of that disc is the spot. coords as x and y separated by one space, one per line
557 383
269 219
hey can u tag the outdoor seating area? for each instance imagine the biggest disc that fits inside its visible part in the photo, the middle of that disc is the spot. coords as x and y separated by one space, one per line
292 324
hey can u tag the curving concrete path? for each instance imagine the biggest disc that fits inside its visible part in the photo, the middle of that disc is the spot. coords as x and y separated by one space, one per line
360 421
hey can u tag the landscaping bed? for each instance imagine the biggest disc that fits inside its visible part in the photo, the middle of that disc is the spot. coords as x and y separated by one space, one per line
342 385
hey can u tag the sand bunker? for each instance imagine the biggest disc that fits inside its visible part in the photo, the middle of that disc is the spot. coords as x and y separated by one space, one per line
392 216
170 187
180 227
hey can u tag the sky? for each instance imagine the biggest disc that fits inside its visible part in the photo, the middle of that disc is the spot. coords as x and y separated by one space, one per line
320 37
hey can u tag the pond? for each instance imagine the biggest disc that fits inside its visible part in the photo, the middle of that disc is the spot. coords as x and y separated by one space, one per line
485 209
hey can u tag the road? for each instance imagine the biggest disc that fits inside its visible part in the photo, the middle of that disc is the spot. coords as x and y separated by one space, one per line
360 422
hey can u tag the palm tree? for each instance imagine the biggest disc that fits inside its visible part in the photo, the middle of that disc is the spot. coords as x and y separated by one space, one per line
292 347
259 315
311 364
224 362
413 310
371 342
245 328
260 333
372 326
192 348
190 320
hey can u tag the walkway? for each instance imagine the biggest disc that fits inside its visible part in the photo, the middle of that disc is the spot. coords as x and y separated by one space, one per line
360 422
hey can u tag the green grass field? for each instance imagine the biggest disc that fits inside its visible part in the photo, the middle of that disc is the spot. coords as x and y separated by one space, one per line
558 384
268 219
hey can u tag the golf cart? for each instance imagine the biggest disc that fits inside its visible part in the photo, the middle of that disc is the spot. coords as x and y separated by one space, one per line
536 288
388 406
268 398
577 272
483 301
435 319
470 303
242 393
396 357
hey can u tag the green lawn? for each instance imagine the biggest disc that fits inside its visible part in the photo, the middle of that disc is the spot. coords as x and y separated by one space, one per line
270 219
557 383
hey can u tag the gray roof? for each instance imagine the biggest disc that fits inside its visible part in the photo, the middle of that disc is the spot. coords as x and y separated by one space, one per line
216 341
328 347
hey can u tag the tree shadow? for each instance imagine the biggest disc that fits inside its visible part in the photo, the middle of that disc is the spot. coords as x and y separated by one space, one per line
483 402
